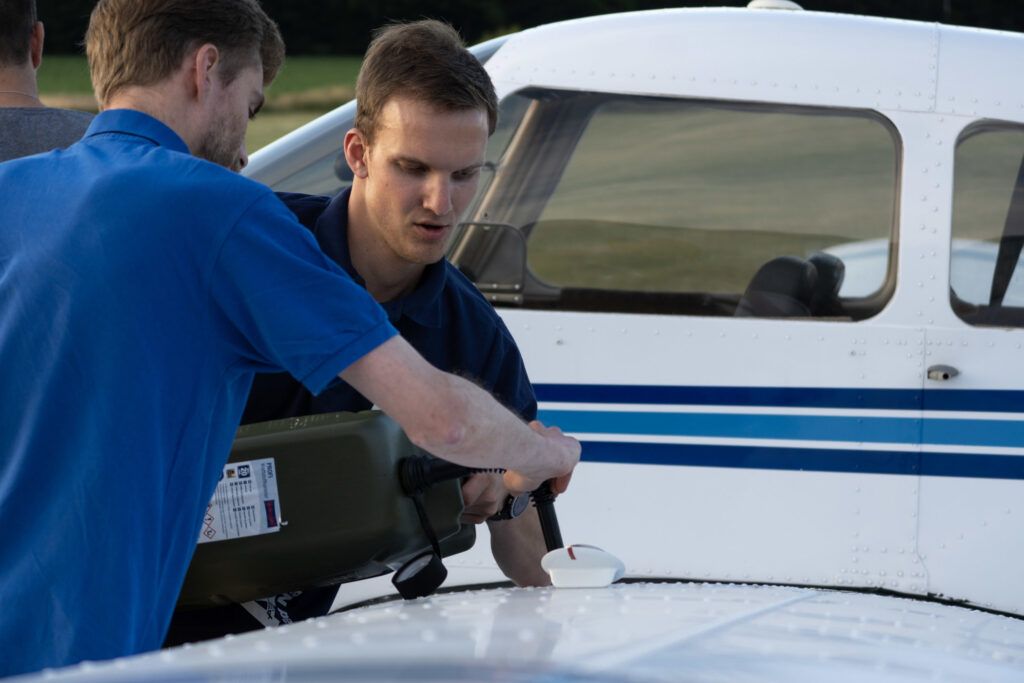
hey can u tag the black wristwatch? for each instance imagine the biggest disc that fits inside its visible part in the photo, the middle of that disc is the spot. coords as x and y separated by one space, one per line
513 507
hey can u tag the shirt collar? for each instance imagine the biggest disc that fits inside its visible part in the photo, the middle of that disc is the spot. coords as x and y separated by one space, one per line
132 122
422 305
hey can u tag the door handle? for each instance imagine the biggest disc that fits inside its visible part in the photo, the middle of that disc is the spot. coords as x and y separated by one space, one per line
941 373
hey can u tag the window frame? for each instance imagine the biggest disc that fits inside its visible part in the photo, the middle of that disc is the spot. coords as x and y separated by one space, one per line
549 130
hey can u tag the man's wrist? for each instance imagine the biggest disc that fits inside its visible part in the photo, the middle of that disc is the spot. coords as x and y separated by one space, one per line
513 507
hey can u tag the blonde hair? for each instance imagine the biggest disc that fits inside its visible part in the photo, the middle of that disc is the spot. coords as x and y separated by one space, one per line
142 42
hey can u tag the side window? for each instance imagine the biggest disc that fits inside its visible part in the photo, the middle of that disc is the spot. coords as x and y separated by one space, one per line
646 204
986 272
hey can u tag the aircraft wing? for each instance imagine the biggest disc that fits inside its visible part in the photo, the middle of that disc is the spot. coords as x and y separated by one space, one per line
628 631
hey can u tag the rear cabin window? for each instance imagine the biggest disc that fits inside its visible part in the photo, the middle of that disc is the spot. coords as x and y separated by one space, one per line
642 204
986 272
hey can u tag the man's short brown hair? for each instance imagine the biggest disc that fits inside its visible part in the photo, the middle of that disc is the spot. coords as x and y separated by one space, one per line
142 42
17 19
425 60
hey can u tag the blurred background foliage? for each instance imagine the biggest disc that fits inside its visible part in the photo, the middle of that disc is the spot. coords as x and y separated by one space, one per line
326 38
344 27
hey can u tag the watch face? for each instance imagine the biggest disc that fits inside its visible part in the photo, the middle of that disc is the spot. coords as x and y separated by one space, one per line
518 505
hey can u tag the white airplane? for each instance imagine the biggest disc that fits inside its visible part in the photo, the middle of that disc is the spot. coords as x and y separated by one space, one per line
765 265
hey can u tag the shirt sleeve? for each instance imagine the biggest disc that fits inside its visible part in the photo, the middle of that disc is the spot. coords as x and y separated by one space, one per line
505 376
286 305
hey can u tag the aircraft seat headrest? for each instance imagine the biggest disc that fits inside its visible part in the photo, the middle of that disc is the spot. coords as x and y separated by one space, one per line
781 287
831 271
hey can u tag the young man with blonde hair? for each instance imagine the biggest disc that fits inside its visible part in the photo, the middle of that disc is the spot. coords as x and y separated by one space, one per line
141 287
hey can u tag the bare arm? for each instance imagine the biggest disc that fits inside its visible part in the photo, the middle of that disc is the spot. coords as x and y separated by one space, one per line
458 421
517 544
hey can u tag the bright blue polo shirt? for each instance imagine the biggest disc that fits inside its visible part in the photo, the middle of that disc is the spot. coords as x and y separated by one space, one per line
445 318
140 289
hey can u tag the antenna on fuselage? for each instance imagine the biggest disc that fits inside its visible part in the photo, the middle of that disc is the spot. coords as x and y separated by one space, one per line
773 4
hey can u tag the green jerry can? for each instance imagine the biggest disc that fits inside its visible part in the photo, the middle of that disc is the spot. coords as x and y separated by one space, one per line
315 501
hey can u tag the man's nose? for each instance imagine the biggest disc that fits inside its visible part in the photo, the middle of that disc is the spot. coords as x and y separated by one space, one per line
438 195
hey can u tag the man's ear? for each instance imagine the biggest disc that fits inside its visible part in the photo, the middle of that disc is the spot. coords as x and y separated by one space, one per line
356 151
201 70
35 43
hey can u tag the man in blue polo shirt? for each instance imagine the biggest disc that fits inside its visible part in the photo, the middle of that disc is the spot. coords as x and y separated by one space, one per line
432 107
141 287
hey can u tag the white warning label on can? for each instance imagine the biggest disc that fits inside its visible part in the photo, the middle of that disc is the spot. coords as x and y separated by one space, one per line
245 502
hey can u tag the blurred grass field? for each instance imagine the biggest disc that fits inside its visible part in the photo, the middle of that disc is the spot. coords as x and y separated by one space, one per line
305 88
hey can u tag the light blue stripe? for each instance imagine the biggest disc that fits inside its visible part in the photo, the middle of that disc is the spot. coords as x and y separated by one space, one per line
975 432
802 427
993 433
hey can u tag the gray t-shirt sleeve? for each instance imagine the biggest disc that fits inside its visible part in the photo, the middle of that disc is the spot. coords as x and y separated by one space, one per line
32 130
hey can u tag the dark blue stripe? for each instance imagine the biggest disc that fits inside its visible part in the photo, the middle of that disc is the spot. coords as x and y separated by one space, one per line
808 460
989 401
973 465
892 399
1001 401
752 457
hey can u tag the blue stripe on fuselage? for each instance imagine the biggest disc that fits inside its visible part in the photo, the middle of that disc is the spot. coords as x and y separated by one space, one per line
911 431
804 427
753 457
998 401
953 432
808 460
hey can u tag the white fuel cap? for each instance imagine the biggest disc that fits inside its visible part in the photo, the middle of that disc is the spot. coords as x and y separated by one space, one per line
582 566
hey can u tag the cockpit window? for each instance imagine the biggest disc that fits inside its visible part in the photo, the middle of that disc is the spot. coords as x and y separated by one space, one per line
645 204
986 272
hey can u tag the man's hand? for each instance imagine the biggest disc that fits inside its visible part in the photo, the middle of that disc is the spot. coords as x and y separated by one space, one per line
483 495
517 483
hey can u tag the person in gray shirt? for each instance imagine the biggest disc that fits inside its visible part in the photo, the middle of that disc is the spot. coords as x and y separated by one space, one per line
26 125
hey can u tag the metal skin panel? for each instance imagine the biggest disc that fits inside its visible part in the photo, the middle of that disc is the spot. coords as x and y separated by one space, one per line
979 74
635 632
661 519
971 528
796 57
604 348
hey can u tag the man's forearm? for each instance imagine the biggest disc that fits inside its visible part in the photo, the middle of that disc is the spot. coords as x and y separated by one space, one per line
518 545
455 419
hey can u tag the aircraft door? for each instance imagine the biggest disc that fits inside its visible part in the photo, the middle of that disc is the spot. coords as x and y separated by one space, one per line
973 438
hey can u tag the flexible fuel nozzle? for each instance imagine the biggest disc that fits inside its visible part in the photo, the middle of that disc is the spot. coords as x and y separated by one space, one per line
418 473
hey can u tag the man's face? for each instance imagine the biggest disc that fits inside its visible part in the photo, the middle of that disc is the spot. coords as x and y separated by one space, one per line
421 172
231 108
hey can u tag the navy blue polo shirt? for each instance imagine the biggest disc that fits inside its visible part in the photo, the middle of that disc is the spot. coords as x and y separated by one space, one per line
445 318
140 290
